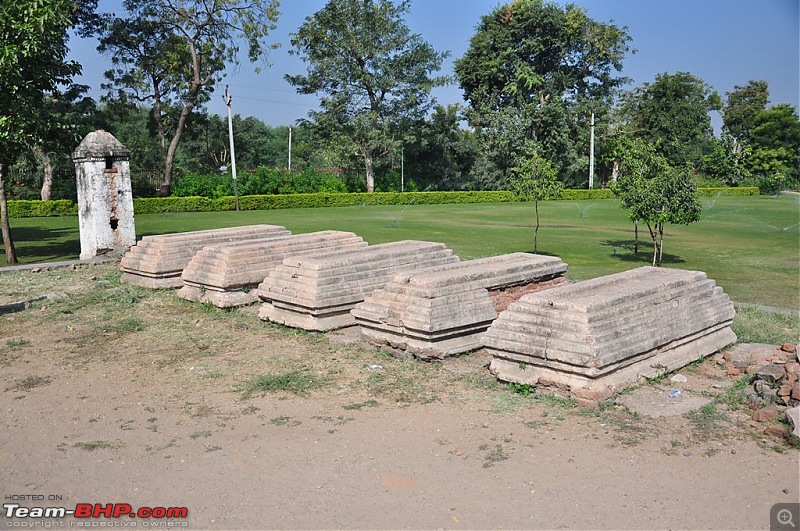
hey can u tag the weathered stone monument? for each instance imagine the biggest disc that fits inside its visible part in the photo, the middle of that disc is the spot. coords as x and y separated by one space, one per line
444 310
157 261
105 198
318 292
228 275
594 338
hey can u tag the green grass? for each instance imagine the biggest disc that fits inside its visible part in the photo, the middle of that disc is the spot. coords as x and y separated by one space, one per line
753 325
299 382
749 245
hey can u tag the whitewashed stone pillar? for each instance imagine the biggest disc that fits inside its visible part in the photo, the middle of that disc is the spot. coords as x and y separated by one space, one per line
105 198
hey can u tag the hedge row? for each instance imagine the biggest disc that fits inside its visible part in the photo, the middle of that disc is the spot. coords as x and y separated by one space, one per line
161 205
33 208
739 191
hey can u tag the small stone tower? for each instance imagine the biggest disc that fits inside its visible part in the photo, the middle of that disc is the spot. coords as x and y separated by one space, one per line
105 198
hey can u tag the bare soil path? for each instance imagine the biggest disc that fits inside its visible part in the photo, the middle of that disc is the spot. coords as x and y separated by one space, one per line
118 395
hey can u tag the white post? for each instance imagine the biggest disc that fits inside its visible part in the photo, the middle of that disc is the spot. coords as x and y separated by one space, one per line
591 154
402 170
290 148
227 97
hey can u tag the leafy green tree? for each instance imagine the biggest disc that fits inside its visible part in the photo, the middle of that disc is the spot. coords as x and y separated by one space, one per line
541 65
775 141
727 162
741 107
536 180
33 51
654 193
672 114
64 118
171 53
371 73
133 126
440 153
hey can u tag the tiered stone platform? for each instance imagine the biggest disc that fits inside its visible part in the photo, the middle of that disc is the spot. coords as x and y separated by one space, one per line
158 261
228 275
317 293
444 310
594 338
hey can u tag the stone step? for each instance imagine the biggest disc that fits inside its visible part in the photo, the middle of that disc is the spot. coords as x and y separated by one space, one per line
317 293
599 336
228 275
157 261
443 310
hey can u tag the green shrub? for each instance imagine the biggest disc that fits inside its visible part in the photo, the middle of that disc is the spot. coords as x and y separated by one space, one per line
771 184
728 191
322 200
34 208
161 205
202 185
263 181
266 181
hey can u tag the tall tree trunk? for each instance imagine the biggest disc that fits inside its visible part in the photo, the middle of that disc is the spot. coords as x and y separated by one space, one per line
370 170
635 237
47 177
191 97
8 241
536 229
614 170
660 243
169 161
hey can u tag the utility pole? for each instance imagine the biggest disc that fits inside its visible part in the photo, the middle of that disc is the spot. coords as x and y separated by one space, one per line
402 169
290 148
591 154
227 98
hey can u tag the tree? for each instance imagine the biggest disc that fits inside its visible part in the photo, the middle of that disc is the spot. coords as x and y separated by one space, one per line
32 63
727 162
775 141
371 72
503 141
741 107
63 119
544 64
654 193
536 179
441 153
170 53
672 115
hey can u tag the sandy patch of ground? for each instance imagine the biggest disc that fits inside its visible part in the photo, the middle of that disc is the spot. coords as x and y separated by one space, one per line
120 395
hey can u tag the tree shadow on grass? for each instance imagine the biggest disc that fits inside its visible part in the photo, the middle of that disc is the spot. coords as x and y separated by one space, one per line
36 244
623 250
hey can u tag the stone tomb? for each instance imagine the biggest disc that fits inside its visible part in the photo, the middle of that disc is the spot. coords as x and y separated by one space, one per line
158 261
228 275
595 338
444 310
317 293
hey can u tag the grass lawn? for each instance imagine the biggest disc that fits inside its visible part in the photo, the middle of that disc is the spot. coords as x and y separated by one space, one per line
749 245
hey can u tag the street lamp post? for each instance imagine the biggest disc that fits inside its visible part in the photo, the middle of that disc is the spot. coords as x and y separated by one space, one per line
227 98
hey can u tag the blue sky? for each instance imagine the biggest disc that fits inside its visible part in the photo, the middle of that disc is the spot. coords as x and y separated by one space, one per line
723 42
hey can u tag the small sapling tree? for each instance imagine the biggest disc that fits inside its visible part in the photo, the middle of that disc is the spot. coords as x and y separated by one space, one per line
535 180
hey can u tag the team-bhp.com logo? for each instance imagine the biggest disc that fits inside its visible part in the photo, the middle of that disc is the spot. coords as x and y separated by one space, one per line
97 510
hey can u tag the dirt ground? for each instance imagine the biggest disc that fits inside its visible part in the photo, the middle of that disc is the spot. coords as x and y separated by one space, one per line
114 394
